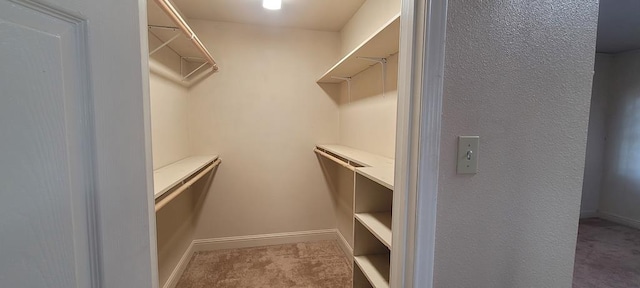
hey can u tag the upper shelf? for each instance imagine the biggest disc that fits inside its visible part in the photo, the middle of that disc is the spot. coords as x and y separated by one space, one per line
381 44
167 177
181 45
167 24
377 168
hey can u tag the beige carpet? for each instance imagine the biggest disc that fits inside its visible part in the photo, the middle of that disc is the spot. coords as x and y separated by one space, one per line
312 264
607 255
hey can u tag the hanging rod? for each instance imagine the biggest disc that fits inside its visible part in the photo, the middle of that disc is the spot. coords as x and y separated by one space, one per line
335 159
175 16
164 201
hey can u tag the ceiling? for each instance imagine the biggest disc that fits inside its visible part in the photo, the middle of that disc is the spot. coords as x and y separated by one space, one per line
618 26
326 15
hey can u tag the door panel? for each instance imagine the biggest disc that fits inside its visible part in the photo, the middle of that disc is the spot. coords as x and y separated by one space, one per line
46 178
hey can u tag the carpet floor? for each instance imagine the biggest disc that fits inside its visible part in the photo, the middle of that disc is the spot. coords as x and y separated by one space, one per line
309 264
607 255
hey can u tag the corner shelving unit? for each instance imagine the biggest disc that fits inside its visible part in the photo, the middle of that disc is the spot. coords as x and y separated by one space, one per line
173 179
372 174
373 200
382 44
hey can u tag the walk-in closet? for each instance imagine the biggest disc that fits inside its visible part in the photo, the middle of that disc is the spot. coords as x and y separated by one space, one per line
273 137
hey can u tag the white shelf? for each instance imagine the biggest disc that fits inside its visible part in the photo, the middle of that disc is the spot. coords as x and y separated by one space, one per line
379 224
168 30
382 43
377 168
375 268
173 174
181 45
382 175
359 157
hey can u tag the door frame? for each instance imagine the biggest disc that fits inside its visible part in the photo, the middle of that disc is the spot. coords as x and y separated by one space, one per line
420 86
420 92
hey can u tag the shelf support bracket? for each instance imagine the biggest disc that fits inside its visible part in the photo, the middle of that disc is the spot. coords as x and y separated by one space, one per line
182 59
166 42
383 62
348 79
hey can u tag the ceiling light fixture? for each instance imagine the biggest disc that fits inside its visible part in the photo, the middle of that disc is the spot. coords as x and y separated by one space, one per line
272 4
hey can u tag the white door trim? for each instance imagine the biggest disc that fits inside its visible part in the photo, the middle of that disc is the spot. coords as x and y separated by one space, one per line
420 82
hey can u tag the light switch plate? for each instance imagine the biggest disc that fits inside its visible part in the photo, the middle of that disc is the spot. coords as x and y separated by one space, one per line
468 154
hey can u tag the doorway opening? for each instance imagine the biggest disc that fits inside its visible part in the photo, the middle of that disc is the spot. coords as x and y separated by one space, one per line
608 244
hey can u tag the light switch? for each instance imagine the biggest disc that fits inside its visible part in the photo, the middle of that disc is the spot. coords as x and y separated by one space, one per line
468 154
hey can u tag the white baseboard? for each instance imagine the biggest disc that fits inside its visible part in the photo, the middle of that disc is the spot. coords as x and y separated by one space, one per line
619 219
344 245
182 265
263 240
254 241
588 214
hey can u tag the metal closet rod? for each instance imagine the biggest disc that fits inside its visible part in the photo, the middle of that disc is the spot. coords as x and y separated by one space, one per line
335 159
164 201
175 16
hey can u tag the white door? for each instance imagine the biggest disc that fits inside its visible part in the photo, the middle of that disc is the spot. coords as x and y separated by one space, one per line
74 165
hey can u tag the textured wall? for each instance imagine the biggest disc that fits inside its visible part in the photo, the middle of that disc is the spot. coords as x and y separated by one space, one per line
518 74
594 162
621 187
263 113
369 18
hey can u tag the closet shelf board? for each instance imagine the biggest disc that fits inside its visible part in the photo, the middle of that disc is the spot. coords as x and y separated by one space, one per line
360 157
379 224
375 268
173 174
377 168
382 175
383 43
181 45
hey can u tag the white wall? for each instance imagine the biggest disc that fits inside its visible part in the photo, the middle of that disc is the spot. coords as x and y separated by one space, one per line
175 230
170 143
369 18
594 162
620 196
518 74
368 119
170 135
263 113
169 127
